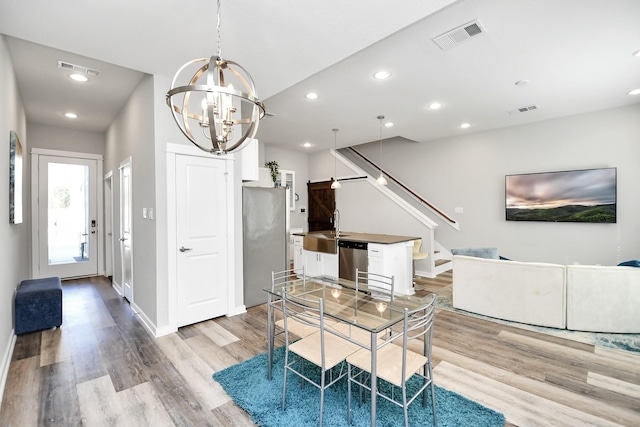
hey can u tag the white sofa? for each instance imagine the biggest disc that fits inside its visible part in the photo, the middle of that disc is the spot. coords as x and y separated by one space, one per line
524 292
577 297
603 299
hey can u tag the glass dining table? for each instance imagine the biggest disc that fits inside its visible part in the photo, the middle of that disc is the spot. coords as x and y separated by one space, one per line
373 311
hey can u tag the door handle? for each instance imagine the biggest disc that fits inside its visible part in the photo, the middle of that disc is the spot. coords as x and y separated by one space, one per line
183 249
122 239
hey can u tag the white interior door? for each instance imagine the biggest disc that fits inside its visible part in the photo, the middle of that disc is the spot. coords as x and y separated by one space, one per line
126 236
108 225
202 260
66 217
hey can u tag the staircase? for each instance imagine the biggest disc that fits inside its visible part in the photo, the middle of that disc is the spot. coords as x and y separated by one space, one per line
440 258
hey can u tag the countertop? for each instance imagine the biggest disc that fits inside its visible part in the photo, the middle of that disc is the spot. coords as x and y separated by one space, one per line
352 236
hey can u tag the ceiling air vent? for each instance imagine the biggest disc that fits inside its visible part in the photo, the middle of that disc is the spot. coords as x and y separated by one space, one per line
78 68
458 35
523 109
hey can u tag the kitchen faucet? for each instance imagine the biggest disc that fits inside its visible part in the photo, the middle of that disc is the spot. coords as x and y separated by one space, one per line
336 221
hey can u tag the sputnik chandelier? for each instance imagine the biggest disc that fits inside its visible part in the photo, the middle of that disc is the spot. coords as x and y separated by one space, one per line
217 99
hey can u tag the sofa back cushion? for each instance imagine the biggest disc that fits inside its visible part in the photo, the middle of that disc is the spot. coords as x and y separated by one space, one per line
603 299
525 292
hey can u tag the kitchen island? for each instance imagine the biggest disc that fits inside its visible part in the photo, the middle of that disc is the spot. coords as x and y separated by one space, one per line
324 253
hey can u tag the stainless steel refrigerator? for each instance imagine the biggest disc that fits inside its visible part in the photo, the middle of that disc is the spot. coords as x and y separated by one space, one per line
265 231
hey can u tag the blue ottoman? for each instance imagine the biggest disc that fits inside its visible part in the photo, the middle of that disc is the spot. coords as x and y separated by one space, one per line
38 305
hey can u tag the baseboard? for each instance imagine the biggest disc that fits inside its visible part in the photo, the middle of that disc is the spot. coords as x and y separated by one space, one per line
117 288
149 325
237 310
6 361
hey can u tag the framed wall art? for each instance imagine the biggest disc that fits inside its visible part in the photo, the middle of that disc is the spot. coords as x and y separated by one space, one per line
15 179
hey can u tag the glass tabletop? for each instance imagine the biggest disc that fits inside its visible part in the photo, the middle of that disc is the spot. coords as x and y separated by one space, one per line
371 309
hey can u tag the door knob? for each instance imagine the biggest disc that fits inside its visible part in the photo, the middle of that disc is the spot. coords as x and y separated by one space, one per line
122 239
183 249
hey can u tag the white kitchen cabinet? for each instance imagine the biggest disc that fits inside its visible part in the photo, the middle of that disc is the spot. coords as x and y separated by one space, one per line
320 264
298 255
287 179
393 260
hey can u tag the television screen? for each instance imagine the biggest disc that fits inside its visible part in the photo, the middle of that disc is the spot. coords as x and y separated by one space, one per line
570 196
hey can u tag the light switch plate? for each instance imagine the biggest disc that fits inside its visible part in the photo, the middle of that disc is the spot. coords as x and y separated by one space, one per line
144 213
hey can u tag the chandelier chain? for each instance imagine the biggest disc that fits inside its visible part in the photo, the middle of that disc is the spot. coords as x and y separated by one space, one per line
218 32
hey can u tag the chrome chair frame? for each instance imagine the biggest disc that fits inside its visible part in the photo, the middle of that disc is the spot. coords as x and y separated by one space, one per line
417 323
311 313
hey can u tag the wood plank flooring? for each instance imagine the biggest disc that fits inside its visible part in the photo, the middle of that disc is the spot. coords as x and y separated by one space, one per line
102 368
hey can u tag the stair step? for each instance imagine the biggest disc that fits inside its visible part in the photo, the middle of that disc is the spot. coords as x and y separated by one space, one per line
439 262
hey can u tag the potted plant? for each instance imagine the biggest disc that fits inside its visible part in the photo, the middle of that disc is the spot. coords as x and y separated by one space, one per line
273 166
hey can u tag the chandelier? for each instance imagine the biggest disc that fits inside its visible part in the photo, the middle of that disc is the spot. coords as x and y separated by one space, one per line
215 104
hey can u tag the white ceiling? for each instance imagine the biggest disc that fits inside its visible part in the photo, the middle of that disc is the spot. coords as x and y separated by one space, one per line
576 54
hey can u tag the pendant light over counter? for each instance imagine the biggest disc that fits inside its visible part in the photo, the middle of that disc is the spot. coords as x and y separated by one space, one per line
335 184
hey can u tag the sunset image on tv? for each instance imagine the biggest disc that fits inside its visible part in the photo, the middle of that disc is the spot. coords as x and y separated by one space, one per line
571 196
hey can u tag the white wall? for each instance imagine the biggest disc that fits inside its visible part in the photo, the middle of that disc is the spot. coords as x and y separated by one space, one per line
299 162
469 171
132 134
14 250
56 138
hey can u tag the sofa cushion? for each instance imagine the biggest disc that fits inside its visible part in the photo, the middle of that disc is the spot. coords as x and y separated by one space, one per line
489 253
525 292
603 299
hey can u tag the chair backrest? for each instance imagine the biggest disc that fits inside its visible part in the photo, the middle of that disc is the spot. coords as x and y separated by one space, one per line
418 323
309 312
282 277
416 245
375 283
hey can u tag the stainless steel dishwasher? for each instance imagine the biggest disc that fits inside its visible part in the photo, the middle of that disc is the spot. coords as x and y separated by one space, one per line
352 255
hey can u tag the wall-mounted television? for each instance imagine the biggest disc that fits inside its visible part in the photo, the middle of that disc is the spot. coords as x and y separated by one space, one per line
587 195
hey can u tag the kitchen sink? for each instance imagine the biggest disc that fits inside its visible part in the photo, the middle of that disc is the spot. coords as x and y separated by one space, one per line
322 241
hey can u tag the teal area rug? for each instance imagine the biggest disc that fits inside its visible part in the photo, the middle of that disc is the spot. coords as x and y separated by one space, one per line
627 342
249 388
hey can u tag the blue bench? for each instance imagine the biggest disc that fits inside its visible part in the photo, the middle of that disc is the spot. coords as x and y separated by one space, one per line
38 305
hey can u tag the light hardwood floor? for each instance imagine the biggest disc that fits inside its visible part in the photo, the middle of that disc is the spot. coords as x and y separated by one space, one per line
103 368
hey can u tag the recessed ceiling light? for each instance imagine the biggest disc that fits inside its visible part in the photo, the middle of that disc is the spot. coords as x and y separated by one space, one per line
381 75
435 106
78 77
312 95
465 125
636 53
635 92
522 82
71 115
388 124
307 145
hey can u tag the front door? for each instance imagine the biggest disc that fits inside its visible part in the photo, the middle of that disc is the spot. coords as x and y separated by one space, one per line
322 204
66 216
201 237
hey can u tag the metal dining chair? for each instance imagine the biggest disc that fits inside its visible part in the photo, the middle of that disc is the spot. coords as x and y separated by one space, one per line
322 348
381 290
396 364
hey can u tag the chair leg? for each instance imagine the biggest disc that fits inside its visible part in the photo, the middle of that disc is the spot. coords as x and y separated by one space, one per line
284 381
433 395
404 405
322 385
349 394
